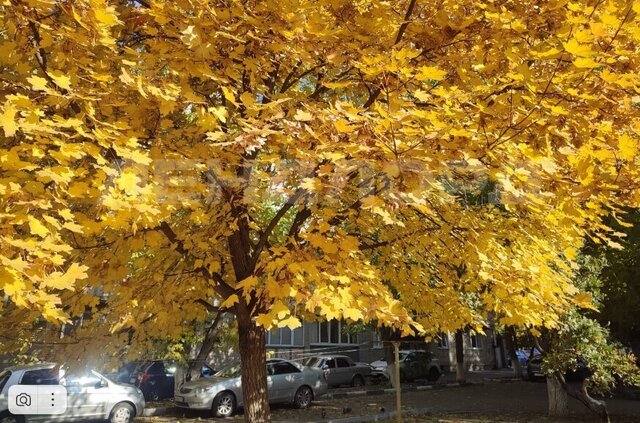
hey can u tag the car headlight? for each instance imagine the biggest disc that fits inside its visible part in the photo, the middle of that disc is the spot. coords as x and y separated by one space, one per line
203 390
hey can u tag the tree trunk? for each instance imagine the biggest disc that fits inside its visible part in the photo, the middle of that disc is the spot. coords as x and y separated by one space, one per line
388 334
390 358
510 343
461 376
579 391
252 346
557 396
208 343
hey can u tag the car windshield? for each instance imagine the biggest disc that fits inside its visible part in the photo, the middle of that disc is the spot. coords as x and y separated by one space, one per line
312 361
232 370
401 355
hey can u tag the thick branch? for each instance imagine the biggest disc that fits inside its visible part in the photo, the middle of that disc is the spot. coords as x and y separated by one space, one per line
274 222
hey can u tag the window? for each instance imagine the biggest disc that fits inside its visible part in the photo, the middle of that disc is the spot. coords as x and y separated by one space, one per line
285 336
377 340
331 363
475 341
443 340
85 380
156 368
331 332
40 377
4 377
283 368
343 362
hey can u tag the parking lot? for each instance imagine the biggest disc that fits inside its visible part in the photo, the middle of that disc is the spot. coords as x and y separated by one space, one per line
492 401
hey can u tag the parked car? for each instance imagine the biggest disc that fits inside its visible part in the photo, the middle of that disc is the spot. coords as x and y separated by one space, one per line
534 370
414 364
341 369
156 378
288 382
126 372
522 356
90 395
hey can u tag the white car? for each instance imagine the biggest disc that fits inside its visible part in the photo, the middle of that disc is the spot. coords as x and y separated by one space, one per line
90 395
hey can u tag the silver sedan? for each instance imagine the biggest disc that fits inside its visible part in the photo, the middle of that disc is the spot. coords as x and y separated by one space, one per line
288 382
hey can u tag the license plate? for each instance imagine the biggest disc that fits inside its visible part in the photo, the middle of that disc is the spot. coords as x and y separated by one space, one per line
179 399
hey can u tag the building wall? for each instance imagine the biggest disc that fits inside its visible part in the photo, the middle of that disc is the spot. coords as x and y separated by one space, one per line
479 353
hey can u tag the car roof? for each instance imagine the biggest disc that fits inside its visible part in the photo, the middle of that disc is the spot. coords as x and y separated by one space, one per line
35 366
330 356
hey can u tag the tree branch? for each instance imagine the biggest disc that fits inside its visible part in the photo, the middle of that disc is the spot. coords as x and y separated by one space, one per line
374 95
274 222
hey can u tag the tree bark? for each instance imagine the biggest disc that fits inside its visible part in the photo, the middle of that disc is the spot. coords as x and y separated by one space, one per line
461 375
208 343
510 342
580 392
252 346
557 396
387 334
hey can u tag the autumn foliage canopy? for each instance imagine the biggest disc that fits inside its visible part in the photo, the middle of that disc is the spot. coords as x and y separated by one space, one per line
419 164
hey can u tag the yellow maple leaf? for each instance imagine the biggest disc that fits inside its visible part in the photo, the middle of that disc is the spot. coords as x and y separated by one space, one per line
61 80
342 125
430 73
291 322
38 83
128 182
585 62
627 146
584 300
58 280
230 301
577 49
303 116
7 120
36 227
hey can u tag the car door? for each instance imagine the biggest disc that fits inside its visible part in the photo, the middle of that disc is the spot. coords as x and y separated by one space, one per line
286 379
45 377
344 370
410 366
333 377
86 395
422 365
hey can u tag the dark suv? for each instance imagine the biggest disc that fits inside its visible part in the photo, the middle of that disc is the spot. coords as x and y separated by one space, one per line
156 378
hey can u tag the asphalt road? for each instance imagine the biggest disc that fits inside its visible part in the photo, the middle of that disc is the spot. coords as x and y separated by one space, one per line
513 401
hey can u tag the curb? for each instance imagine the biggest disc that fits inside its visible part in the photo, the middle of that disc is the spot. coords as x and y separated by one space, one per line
158 411
374 392
374 417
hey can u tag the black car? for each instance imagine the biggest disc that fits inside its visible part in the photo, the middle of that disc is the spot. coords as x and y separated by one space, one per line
156 378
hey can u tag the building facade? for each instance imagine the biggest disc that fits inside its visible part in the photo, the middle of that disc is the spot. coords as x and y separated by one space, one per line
481 352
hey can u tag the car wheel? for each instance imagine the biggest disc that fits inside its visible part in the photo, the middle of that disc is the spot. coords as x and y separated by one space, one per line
224 404
7 417
357 381
434 374
122 413
303 397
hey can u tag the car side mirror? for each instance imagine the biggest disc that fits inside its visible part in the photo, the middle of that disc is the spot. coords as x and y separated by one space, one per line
325 367
101 384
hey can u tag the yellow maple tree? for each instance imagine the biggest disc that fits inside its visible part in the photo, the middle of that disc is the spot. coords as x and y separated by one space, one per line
306 159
